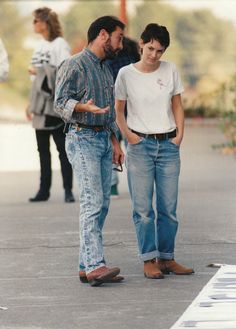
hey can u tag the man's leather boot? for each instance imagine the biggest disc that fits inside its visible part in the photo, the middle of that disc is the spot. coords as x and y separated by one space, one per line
152 270
102 275
115 279
170 266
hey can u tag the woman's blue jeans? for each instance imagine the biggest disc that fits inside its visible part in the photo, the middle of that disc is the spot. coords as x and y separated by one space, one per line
90 154
154 163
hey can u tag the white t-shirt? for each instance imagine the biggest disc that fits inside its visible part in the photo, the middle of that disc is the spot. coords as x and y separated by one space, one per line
148 97
51 52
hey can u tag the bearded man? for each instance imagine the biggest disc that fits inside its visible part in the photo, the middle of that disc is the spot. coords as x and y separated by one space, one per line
85 100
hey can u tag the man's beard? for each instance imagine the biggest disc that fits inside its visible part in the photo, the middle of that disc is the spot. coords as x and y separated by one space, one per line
110 52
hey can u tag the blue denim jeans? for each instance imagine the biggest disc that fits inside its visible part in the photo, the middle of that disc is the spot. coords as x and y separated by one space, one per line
90 154
114 177
154 163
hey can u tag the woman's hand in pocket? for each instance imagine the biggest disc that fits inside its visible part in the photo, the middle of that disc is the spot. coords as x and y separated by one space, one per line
133 138
176 140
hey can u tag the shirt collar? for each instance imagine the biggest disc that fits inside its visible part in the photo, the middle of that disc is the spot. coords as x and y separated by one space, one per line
93 56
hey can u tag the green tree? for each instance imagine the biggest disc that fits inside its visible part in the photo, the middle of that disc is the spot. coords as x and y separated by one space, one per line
80 16
13 32
225 98
207 42
157 12
202 45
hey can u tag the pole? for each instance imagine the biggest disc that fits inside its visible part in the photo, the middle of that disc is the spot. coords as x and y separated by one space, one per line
123 16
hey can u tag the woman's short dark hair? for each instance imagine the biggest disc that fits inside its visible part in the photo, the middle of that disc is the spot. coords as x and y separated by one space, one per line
49 16
157 32
108 23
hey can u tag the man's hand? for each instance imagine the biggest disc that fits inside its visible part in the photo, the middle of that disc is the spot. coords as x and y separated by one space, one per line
118 154
95 109
90 107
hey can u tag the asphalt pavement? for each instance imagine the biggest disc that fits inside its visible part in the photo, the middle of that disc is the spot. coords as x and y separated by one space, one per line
39 285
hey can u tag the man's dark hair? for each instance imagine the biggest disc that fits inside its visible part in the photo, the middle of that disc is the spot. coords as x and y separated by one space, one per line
157 32
108 23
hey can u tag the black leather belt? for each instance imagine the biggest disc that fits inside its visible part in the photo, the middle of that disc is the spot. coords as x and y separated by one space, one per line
160 137
95 128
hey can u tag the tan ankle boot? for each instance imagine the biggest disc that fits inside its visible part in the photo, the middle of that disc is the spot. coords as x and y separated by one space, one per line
151 270
170 266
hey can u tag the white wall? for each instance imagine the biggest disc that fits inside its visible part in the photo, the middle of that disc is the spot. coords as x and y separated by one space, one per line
18 148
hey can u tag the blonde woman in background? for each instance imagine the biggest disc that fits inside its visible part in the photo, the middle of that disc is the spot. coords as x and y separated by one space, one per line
49 54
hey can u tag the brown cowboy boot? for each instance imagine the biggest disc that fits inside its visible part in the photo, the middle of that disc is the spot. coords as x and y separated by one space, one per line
152 270
170 266
116 279
101 275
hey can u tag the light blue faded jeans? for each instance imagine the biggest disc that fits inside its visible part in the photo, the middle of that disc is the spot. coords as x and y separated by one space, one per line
154 163
90 154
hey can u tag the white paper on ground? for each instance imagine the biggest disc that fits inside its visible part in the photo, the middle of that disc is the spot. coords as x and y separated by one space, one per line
215 305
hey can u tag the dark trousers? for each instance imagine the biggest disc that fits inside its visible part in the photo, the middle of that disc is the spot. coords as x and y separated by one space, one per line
43 142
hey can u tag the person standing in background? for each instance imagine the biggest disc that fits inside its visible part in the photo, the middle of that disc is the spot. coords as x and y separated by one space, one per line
154 130
128 54
50 53
4 64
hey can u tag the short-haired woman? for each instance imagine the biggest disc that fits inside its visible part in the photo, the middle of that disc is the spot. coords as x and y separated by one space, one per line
154 130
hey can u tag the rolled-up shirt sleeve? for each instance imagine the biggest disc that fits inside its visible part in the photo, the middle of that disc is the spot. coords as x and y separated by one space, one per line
70 86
